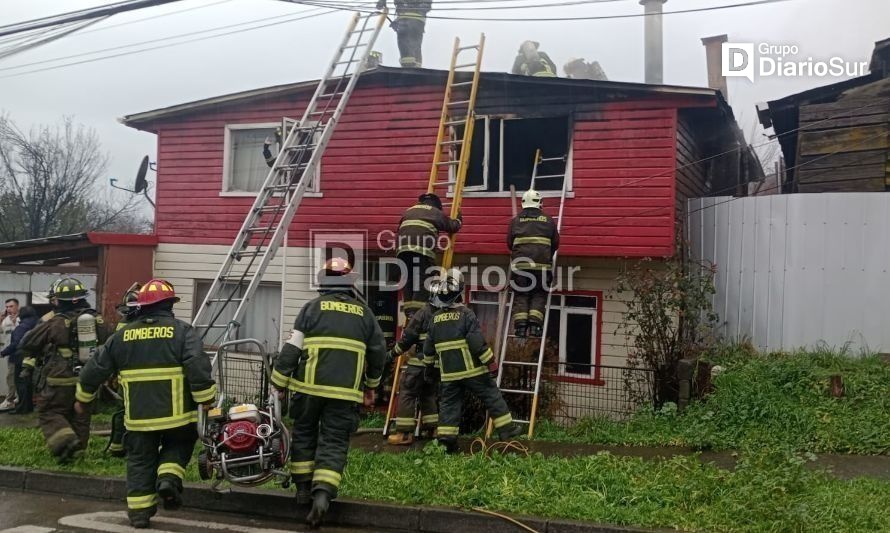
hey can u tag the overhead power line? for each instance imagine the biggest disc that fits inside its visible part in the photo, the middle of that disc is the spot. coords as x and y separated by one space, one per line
75 16
339 5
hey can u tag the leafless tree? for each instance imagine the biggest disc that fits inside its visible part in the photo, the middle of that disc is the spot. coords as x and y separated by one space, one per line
48 183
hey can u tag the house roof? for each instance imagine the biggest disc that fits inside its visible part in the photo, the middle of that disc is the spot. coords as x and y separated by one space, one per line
64 248
141 120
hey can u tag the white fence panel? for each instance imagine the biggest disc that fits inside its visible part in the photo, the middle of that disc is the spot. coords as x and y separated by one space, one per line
798 270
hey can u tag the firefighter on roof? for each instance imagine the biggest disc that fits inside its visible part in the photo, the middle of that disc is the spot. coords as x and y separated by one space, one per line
418 234
531 62
420 382
532 239
60 347
165 374
409 27
335 347
456 338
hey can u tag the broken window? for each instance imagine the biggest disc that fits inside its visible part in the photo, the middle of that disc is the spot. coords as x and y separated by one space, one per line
503 152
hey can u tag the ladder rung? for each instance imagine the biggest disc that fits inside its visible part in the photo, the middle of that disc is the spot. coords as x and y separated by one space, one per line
465 65
226 300
268 208
348 61
462 84
364 30
442 183
328 95
295 147
258 230
550 176
443 163
210 326
459 141
514 391
456 122
522 363
459 102
356 45
521 421
561 158
470 47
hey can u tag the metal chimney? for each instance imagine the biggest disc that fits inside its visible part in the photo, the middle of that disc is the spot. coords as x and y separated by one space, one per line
653 41
713 47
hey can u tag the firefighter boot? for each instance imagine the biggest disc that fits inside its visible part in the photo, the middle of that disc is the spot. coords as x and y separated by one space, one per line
70 451
321 500
450 444
170 494
402 438
304 492
535 330
141 518
508 432
520 331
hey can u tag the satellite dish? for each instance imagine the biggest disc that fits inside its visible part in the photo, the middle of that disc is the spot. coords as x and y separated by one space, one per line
141 184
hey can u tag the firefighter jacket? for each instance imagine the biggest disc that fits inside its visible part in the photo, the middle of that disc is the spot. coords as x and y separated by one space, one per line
415 334
335 342
419 229
413 9
532 238
385 313
456 337
541 67
162 368
52 346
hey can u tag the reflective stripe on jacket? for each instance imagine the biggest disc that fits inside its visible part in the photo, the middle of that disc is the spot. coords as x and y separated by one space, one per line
455 336
164 372
532 239
419 229
335 343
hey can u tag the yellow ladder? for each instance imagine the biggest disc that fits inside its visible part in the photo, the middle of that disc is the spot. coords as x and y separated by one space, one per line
455 136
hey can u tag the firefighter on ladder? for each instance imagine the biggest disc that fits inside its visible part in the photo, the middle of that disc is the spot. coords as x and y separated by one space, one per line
417 238
409 26
532 239
334 341
456 338
419 384
165 374
60 347
128 310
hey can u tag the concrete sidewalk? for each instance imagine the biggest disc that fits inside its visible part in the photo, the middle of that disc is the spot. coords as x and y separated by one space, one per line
279 505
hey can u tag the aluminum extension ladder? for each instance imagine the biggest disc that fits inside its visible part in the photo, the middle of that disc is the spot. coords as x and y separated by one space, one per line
303 144
503 362
454 138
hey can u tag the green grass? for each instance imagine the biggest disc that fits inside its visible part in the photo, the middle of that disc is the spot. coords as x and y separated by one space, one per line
766 492
776 400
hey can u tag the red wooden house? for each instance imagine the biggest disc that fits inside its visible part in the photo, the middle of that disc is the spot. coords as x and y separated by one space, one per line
635 152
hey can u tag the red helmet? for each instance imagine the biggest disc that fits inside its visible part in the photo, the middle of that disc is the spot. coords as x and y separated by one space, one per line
154 291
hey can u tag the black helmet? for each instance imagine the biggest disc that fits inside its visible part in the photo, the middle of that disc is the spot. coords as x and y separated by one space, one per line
448 289
69 289
128 304
430 198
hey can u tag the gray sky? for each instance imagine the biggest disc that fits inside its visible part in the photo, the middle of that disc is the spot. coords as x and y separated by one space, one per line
99 92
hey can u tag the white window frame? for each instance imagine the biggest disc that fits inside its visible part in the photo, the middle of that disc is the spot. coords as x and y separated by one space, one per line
558 305
315 191
564 311
480 191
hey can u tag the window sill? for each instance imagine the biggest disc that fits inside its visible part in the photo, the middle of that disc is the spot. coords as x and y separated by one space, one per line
506 194
243 194
577 379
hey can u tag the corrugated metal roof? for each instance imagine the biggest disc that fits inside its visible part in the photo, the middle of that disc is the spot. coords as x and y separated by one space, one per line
45 240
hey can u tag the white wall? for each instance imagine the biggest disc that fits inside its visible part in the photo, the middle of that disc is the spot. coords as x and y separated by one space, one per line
798 270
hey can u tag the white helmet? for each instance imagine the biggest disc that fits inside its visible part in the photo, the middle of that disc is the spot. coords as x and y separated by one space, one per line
531 198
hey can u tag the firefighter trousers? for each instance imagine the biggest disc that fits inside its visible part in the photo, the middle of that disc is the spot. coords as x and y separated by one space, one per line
417 267
320 440
529 297
451 408
414 390
60 424
155 456
409 32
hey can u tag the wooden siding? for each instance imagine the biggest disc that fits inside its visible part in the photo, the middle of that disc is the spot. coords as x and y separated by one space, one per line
623 170
692 171
843 146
